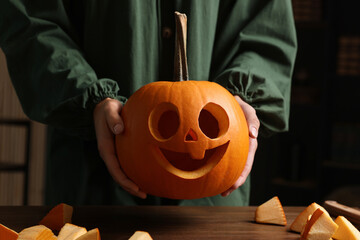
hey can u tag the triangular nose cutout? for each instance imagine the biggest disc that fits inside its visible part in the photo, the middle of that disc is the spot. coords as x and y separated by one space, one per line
191 136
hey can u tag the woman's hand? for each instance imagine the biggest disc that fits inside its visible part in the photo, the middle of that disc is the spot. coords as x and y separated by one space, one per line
253 124
108 123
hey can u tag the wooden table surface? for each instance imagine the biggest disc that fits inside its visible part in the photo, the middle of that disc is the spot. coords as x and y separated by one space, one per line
165 222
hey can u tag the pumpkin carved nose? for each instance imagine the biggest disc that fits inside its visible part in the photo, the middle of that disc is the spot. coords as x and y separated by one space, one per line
191 136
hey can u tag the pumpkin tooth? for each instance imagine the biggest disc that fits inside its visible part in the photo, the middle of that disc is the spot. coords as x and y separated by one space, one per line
198 154
184 161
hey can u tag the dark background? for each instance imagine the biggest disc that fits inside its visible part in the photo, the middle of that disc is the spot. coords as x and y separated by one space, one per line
319 158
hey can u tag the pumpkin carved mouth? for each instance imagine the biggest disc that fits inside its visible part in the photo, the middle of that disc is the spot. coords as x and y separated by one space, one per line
184 162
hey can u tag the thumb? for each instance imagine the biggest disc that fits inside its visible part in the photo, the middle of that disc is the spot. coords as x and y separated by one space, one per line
112 109
251 117
253 129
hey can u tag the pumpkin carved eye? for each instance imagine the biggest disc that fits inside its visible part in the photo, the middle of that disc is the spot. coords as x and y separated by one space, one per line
168 124
208 124
213 121
164 121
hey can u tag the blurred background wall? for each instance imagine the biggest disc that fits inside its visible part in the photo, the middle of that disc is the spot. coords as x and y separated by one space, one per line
318 158
22 149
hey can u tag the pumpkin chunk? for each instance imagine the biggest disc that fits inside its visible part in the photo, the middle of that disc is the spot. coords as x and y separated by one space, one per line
93 234
140 235
58 216
302 218
38 232
71 232
319 226
271 212
346 230
7 233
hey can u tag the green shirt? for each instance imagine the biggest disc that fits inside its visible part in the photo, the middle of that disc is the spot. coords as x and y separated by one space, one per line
65 56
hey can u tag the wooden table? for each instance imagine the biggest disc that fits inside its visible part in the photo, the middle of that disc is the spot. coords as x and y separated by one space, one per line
166 222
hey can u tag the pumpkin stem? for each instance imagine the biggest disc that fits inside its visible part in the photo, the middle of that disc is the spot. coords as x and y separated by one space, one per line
180 61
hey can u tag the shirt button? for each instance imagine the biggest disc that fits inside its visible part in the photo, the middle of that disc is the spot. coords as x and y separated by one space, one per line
166 32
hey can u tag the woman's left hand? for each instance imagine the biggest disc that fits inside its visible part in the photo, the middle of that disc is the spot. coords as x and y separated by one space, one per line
253 124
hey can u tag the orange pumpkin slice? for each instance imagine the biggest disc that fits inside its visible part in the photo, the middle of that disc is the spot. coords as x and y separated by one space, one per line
7 233
319 226
300 221
38 232
93 234
346 230
140 235
271 212
71 232
58 216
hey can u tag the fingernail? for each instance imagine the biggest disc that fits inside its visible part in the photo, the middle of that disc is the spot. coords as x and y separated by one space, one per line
118 128
254 132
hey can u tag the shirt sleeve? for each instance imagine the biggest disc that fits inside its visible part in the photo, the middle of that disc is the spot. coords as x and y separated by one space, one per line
53 81
254 57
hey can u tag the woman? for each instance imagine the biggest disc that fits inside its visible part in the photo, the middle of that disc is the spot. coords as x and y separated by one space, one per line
67 58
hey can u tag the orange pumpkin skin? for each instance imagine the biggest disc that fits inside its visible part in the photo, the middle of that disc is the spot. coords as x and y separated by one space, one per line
183 140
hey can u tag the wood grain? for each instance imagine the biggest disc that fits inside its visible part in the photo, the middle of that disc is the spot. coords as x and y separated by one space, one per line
162 222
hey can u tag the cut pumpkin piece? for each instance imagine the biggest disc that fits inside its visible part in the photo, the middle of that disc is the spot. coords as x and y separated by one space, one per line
140 235
71 232
346 230
38 232
58 216
319 226
93 234
300 221
7 233
271 212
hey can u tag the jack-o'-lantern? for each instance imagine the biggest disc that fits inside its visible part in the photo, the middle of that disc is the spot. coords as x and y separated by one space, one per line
183 140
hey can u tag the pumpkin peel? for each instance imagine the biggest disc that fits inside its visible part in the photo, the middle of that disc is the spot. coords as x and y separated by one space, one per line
38 232
319 226
58 216
93 234
140 235
271 212
7 233
346 229
301 220
71 232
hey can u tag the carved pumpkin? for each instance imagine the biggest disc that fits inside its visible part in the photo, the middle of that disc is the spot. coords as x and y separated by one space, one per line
183 140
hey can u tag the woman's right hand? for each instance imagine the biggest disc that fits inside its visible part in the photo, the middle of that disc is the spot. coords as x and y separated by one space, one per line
108 123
